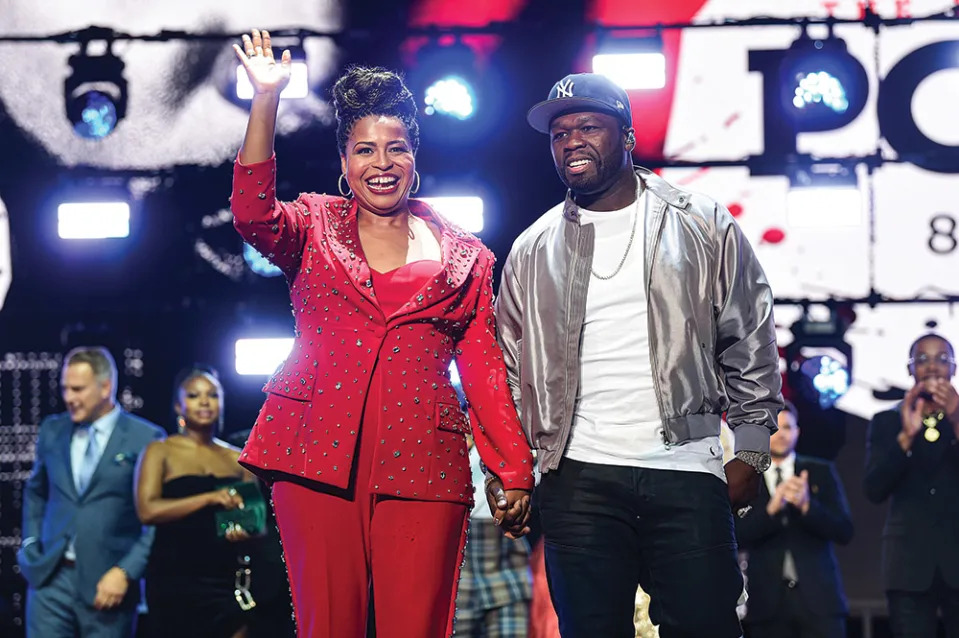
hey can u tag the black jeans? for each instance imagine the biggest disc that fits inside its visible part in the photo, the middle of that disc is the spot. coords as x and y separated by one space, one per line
608 529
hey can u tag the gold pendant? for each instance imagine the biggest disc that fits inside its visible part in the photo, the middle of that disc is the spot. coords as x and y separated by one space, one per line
932 434
931 420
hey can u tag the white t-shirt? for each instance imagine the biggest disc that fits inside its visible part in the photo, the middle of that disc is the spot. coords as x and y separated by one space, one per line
617 419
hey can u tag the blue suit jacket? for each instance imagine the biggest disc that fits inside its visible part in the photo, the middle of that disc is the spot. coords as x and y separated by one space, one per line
103 520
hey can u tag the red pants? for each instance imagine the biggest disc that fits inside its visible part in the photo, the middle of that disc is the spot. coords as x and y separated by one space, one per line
335 546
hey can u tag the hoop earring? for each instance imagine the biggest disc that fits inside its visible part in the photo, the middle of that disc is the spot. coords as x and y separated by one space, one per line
339 186
416 186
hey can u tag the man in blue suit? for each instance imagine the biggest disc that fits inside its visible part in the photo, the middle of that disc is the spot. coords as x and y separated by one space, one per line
84 549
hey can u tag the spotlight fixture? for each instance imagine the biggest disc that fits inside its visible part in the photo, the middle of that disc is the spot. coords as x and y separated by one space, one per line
95 91
93 220
632 63
446 77
822 85
261 356
465 211
819 360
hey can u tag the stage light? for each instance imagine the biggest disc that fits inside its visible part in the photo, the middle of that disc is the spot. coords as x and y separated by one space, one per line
632 70
824 196
830 378
451 96
93 220
448 86
632 63
95 92
261 356
822 85
464 211
298 88
258 263
819 361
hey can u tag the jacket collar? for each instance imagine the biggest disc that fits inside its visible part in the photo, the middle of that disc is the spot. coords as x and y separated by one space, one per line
645 180
459 252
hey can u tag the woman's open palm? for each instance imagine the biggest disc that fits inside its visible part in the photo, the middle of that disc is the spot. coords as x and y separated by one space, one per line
265 73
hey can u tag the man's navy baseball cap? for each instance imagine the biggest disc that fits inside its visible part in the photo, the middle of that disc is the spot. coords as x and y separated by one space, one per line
581 92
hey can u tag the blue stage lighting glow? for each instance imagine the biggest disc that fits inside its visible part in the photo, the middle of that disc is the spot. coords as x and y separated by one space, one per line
829 377
258 263
452 96
821 87
98 115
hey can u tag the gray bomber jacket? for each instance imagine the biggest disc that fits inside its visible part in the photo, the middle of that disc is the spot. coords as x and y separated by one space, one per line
711 332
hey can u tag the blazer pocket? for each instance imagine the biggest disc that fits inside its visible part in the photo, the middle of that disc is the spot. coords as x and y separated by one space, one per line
284 408
451 418
293 381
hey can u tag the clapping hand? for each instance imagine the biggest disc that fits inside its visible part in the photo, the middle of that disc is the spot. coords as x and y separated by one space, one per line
797 491
911 412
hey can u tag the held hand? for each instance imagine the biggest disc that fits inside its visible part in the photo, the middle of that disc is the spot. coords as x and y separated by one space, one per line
743 482
226 498
266 75
111 589
515 522
510 508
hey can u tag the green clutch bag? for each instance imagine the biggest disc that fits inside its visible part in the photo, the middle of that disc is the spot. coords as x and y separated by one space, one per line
252 518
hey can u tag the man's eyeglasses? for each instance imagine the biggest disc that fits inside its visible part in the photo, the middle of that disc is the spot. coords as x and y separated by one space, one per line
943 358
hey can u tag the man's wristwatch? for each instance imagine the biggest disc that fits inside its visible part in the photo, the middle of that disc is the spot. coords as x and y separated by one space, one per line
759 461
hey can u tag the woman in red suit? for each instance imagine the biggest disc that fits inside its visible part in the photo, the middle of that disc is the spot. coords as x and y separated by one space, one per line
361 432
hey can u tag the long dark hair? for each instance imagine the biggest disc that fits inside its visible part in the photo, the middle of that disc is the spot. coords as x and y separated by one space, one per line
364 90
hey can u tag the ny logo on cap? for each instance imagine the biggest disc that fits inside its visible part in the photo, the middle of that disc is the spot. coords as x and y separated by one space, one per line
564 88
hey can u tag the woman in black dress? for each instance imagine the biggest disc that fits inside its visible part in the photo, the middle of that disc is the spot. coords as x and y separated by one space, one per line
197 580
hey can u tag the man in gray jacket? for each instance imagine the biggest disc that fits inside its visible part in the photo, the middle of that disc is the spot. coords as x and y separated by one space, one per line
84 550
632 316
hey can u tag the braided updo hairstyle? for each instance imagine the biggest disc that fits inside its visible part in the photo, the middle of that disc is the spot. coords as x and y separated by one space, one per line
362 91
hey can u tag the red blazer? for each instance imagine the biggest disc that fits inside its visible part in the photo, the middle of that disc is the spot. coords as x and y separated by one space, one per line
308 426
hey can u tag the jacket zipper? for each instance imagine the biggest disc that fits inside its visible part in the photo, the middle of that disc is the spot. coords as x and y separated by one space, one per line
649 327
568 421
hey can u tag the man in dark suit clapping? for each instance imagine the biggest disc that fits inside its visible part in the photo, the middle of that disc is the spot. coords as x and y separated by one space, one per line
84 550
913 460
793 580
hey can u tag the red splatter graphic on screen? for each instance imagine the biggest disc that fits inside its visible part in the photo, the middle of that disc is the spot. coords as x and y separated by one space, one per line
774 236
